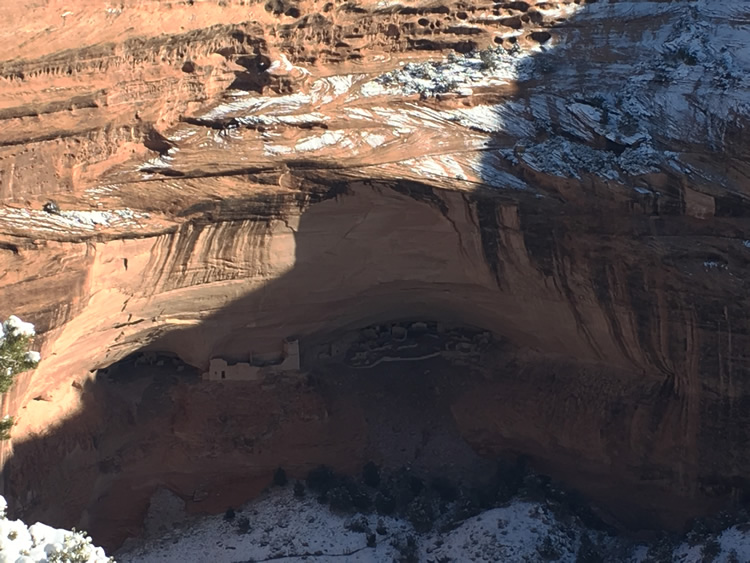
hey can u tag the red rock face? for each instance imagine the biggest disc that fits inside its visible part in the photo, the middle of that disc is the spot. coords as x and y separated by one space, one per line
231 175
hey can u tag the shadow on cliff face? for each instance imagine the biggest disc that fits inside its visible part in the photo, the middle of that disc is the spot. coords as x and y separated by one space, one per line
614 211
597 382
152 422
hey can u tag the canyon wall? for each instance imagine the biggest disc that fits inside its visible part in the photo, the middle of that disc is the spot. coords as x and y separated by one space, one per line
570 177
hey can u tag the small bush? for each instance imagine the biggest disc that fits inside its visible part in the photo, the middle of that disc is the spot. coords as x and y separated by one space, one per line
509 479
488 60
628 124
447 491
340 500
416 484
279 478
371 475
402 487
299 489
384 504
588 552
660 551
320 479
546 63
380 528
548 550
360 498
15 356
243 525
6 423
687 56
466 507
407 550
710 551
77 548
535 487
358 525
421 514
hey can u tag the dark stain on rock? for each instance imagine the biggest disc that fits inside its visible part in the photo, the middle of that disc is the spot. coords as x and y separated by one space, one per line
540 241
489 231
421 192
601 272
647 317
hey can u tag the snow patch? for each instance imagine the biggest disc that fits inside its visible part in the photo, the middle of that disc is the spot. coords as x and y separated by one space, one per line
280 526
494 119
41 543
71 221
441 166
315 143
568 159
373 139
16 327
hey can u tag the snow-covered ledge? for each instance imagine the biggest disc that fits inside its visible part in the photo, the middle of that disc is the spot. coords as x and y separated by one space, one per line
40 543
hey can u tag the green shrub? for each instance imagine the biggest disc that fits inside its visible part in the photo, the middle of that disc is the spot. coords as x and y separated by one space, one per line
6 423
588 551
320 479
447 491
384 504
340 500
15 356
76 549
299 489
279 478
407 548
243 525
661 550
358 525
421 514
548 550
710 551
488 60
371 475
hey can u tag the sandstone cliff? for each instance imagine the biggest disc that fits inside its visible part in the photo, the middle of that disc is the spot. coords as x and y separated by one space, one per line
571 177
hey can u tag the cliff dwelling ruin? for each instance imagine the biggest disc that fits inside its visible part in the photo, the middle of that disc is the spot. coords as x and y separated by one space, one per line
221 370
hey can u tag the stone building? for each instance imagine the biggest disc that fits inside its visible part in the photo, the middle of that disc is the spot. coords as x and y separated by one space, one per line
221 370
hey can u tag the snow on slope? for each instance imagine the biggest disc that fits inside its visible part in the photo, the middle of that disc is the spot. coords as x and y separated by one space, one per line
281 527
285 528
679 78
